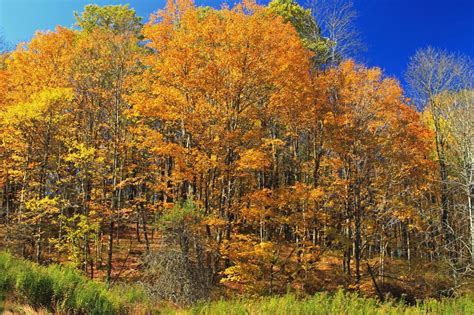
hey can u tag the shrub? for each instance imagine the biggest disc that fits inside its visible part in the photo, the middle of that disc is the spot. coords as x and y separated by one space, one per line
177 272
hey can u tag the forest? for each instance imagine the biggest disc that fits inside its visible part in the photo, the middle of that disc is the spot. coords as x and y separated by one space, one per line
228 154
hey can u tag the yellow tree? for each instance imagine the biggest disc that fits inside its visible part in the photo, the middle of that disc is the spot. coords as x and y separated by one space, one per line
31 119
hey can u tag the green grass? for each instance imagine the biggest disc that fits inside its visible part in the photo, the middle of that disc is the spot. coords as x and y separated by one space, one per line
61 289
338 303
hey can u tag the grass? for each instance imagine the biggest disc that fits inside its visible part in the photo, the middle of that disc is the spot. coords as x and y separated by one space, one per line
338 303
59 289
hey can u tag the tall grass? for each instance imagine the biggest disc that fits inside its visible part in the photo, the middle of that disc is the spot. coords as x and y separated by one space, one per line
61 289
338 303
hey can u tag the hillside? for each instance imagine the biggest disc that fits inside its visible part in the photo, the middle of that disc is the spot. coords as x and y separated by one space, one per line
235 154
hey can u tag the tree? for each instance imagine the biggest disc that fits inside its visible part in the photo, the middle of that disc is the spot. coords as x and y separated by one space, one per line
459 115
367 126
105 56
432 72
456 120
303 21
118 19
336 18
216 93
32 125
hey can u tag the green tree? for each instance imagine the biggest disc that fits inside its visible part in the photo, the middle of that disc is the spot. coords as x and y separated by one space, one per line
306 26
116 18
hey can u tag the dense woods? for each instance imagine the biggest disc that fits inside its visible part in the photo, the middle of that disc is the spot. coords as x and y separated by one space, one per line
237 151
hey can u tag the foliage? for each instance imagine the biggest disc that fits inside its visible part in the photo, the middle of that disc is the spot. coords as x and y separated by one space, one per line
118 18
303 21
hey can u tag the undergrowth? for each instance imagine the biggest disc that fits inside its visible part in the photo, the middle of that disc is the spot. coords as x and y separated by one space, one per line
60 289
337 303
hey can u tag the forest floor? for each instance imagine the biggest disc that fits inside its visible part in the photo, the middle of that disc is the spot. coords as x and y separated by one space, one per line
129 251
320 304
39 283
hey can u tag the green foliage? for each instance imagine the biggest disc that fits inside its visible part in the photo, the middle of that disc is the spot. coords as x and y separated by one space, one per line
93 299
129 294
298 16
66 281
306 26
6 281
63 289
117 18
181 214
36 286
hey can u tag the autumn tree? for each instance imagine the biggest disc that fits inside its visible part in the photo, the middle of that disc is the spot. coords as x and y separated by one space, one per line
105 55
218 84
367 128
36 106
65 129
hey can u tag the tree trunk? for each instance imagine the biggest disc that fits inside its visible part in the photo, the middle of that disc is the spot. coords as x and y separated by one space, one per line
471 217
357 244
145 232
109 253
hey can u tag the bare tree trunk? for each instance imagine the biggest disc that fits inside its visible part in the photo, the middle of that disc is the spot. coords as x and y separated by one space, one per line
471 217
145 232
357 244
38 244
137 227
109 253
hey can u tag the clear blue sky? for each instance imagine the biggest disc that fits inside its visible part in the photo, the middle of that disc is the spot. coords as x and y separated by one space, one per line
391 29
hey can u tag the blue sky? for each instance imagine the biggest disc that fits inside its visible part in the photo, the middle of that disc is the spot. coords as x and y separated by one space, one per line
391 29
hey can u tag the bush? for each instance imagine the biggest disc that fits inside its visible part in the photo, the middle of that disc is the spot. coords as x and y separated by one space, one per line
173 277
177 271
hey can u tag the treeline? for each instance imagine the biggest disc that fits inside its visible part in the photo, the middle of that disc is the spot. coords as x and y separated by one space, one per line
241 148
